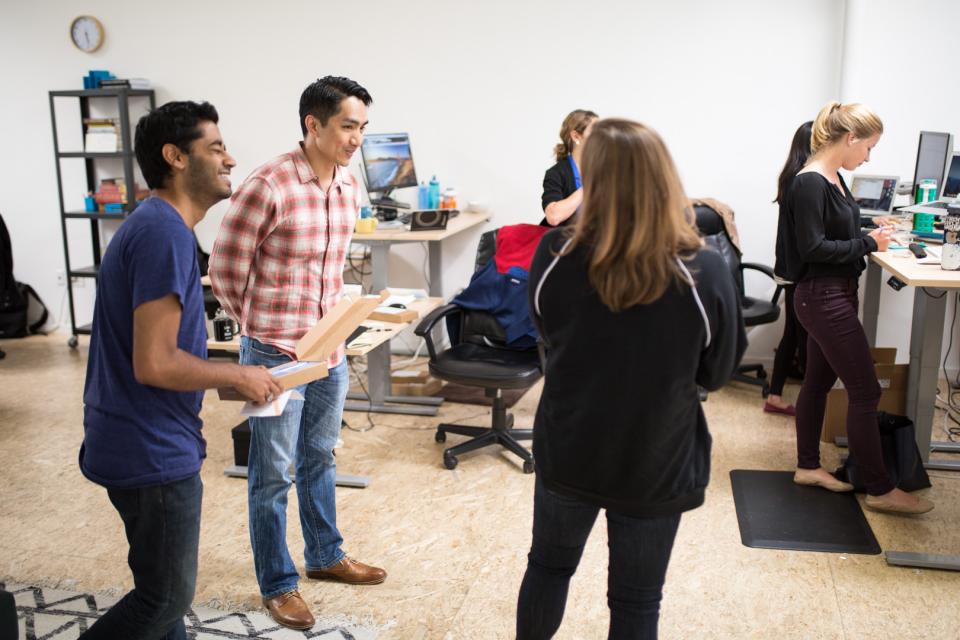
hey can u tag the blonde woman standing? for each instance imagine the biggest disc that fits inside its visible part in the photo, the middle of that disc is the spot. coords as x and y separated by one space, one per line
635 314
825 251
562 184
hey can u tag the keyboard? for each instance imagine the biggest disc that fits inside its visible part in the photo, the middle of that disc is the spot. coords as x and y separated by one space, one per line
939 204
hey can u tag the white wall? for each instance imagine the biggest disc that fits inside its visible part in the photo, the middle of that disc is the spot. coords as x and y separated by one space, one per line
891 48
481 87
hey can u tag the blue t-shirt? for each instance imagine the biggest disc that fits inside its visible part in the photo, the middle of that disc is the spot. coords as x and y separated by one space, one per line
135 435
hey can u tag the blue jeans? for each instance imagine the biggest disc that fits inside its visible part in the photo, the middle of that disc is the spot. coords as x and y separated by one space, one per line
163 529
305 434
639 553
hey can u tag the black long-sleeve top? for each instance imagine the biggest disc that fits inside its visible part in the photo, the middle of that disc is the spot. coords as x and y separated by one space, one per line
819 232
619 423
559 183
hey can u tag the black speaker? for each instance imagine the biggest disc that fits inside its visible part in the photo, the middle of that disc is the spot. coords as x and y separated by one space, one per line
429 220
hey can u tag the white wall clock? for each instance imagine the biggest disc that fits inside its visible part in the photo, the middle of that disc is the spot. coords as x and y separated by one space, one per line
86 33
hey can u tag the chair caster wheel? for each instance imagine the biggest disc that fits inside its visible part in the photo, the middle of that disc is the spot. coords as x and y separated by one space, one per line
73 342
765 391
440 436
449 461
762 374
527 466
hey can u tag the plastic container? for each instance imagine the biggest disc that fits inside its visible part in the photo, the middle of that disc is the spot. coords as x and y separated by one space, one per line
449 199
423 196
923 222
927 190
434 200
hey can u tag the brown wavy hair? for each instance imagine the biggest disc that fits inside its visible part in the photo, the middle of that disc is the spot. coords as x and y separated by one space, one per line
635 218
577 120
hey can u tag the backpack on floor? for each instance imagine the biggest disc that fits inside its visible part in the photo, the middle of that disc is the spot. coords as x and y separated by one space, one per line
15 296
901 456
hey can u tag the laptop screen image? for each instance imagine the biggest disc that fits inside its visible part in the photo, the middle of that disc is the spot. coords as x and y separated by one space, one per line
874 194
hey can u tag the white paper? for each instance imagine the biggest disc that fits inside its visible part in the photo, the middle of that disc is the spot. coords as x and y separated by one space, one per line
270 409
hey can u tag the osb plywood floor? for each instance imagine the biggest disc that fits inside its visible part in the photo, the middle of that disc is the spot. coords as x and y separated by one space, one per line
454 542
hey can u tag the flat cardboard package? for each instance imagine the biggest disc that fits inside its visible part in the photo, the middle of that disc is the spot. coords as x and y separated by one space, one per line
893 395
314 348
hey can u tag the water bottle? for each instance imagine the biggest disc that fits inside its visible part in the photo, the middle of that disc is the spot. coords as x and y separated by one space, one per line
423 196
434 193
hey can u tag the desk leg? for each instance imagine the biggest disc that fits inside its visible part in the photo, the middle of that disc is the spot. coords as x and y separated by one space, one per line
926 335
923 560
435 257
378 381
379 265
871 301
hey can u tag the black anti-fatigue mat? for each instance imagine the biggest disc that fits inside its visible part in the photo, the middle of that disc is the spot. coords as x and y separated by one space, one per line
776 513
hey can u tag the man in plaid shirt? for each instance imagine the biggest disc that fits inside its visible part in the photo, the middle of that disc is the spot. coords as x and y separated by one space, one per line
277 267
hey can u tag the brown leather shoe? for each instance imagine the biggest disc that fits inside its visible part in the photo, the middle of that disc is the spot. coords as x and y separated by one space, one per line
350 571
289 610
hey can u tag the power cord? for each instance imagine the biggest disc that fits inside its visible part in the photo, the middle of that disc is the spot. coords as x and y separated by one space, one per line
363 388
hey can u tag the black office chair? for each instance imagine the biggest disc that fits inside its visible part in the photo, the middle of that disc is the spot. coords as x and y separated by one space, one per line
480 358
755 311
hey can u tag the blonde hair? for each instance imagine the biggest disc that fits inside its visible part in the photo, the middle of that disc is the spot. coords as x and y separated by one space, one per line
577 120
836 120
635 218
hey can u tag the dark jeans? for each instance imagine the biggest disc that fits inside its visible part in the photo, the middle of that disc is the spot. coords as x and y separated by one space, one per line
163 529
639 554
792 344
837 346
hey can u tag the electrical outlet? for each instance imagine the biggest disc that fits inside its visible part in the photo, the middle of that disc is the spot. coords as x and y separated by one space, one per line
61 278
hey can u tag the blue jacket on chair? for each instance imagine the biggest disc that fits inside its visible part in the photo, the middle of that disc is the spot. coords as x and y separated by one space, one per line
505 296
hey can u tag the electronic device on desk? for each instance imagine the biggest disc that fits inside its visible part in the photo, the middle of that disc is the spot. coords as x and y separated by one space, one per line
430 219
874 194
934 153
387 165
950 192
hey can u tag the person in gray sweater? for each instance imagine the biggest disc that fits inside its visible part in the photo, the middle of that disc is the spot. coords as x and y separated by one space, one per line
635 313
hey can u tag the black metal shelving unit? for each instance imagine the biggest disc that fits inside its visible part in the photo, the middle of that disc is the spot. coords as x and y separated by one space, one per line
122 98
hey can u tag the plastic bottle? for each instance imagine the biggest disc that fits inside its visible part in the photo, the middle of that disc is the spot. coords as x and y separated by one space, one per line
434 193
423 196
449 198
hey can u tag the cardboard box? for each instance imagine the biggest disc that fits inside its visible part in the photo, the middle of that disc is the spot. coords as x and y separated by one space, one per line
428 388
314 348
893 396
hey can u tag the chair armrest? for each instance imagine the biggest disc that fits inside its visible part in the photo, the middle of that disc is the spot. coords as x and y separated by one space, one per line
767 271
425 328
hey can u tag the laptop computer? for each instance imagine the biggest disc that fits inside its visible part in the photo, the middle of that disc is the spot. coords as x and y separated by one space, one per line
951 189
874 194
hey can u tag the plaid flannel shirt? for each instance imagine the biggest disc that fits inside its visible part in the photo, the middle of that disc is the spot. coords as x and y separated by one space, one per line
277 263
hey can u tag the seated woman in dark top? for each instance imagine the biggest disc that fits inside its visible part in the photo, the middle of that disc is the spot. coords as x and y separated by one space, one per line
635 314
824 252
562 192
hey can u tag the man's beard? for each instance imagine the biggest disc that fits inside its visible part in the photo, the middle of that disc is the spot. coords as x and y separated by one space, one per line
203 187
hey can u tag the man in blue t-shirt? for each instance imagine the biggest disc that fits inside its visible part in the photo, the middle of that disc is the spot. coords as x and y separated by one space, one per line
147 370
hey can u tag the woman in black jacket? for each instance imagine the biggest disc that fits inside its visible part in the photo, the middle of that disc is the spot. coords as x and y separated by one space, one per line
793 343
824 254
635 314
562 185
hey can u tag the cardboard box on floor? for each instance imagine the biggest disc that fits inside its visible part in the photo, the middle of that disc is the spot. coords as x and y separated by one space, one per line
314 348
893 395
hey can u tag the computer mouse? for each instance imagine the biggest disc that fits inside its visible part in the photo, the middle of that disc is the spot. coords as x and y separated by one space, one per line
397 305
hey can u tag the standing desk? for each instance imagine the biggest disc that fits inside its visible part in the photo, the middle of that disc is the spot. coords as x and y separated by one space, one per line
378 360
926 336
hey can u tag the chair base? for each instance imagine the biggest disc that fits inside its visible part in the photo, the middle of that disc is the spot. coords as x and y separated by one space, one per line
501 432
758 379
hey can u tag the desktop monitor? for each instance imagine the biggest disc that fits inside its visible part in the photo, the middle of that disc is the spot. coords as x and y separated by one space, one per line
874 194
933 154
387 162
951 184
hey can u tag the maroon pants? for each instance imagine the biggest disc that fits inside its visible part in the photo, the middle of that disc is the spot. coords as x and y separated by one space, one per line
837 346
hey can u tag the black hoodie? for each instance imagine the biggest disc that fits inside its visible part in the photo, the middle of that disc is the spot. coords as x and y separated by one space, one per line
619 423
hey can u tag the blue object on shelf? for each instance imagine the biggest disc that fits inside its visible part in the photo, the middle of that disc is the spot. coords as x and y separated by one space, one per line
94 76
113 207
90 204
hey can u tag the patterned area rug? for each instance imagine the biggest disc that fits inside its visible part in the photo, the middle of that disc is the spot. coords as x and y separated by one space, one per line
56 614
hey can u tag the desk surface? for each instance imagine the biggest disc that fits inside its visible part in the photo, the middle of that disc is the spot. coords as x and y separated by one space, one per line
363 344
904 265
464 221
